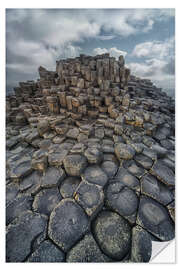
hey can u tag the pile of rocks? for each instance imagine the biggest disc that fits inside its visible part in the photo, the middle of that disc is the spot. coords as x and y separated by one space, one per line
90 165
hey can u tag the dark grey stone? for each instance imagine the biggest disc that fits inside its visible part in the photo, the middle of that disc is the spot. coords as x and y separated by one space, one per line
127 179
93 155
163 173
154 217
113 234
86 250
132 167
68 223
46 200
69 186
31 184
110 168
52 177
11 192
47 252
152 187
56 158
141 248
21 233
90 197
124 151
74 164
17 206
144 161
122 200
95 175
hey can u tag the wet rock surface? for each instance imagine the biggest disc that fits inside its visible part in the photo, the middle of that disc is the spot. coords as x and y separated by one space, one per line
90 158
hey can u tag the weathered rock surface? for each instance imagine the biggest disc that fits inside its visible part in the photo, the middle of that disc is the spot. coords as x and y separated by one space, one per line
86 250
91 148
113 234
23 230
47 252
68 223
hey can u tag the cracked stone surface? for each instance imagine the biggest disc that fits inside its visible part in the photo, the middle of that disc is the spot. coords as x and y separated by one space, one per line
90 164
47 252
68 222
23 230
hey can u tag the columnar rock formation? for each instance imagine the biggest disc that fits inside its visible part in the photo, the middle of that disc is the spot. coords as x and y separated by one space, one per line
90 163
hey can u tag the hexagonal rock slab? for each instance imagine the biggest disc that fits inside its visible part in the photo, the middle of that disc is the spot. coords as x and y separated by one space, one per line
127 179
132 167
95 175
47 252
68 223
90 197
46 200
56 158
141 248
144 161
110 168
73 133
69 186
86 250
53 177
31 184
124 151
74 164
21 167
113 234
93 155
21 233
154 217
122 200
152 187
163 173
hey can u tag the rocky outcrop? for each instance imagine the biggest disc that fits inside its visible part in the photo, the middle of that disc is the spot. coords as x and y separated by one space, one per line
90 158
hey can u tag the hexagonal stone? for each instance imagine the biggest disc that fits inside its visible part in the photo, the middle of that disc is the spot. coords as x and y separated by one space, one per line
53 177
56 159
127 179
68 223
39 160
168 144
17 206
110 168
113 234
141 248
69 186
74 164
95 175
90 197
31 183
144 161
132 167
46 200
86 250
73 133
93 155
21 234
154 217
21 168
47 252
78 148
42 127
11 192
163 173
150 153
58 139
152 187
169 163
159 150
124 151
122 200
99 133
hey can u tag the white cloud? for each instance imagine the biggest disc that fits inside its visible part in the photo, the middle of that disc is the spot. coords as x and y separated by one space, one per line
154 49
114 52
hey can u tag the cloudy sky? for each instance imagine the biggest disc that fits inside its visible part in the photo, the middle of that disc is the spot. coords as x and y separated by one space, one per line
146 37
